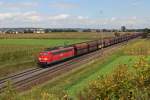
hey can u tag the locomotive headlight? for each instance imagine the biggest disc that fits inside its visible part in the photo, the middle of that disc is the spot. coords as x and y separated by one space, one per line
45 59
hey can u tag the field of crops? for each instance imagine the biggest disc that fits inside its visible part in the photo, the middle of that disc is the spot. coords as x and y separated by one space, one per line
114 69
140 48
59 35
19 51
40 42
20 54
65 35
129 81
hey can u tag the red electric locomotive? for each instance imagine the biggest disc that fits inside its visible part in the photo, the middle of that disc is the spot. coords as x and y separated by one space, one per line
50 56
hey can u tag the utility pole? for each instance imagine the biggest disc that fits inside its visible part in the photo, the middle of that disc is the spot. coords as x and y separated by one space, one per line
101 33
100 37
102 40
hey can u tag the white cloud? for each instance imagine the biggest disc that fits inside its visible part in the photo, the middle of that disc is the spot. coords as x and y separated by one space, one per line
32 16
82 17
34 19
134 18
4 16
113 19
19 16
18 5
59 17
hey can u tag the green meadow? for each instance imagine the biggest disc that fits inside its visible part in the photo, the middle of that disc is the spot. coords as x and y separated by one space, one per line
40 42
73 82
76 80
20 54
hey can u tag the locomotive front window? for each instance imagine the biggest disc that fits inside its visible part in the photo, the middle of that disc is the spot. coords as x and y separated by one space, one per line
61 51
44 54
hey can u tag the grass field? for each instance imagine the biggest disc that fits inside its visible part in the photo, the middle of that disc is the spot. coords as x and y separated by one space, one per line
20 54
130 54
73 82
19 51
106 69
59 35
40 42
141 47
76 78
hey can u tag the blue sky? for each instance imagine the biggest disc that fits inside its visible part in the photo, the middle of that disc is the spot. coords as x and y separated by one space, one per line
75 13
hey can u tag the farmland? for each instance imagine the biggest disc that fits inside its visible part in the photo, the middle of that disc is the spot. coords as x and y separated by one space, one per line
40 42
20 54
19 51
60 35
74 50
129 81
75 81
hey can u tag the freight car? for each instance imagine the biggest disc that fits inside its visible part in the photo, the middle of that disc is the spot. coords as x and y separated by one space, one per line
81 48
52 56
92 46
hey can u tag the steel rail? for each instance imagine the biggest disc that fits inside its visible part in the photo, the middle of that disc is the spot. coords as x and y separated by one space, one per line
35 75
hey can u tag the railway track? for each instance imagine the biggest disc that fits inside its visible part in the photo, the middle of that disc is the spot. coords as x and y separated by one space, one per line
3 81
31 77
20 74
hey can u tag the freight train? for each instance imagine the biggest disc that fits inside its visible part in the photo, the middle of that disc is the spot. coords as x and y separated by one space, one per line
58 54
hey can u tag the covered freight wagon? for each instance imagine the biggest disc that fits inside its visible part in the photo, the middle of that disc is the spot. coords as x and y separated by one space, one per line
81 48
93 45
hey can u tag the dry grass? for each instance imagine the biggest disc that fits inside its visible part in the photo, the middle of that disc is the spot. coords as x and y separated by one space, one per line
63 35
141 47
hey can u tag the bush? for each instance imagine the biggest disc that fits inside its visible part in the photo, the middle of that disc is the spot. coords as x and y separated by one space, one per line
121 84
145 33
9 93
